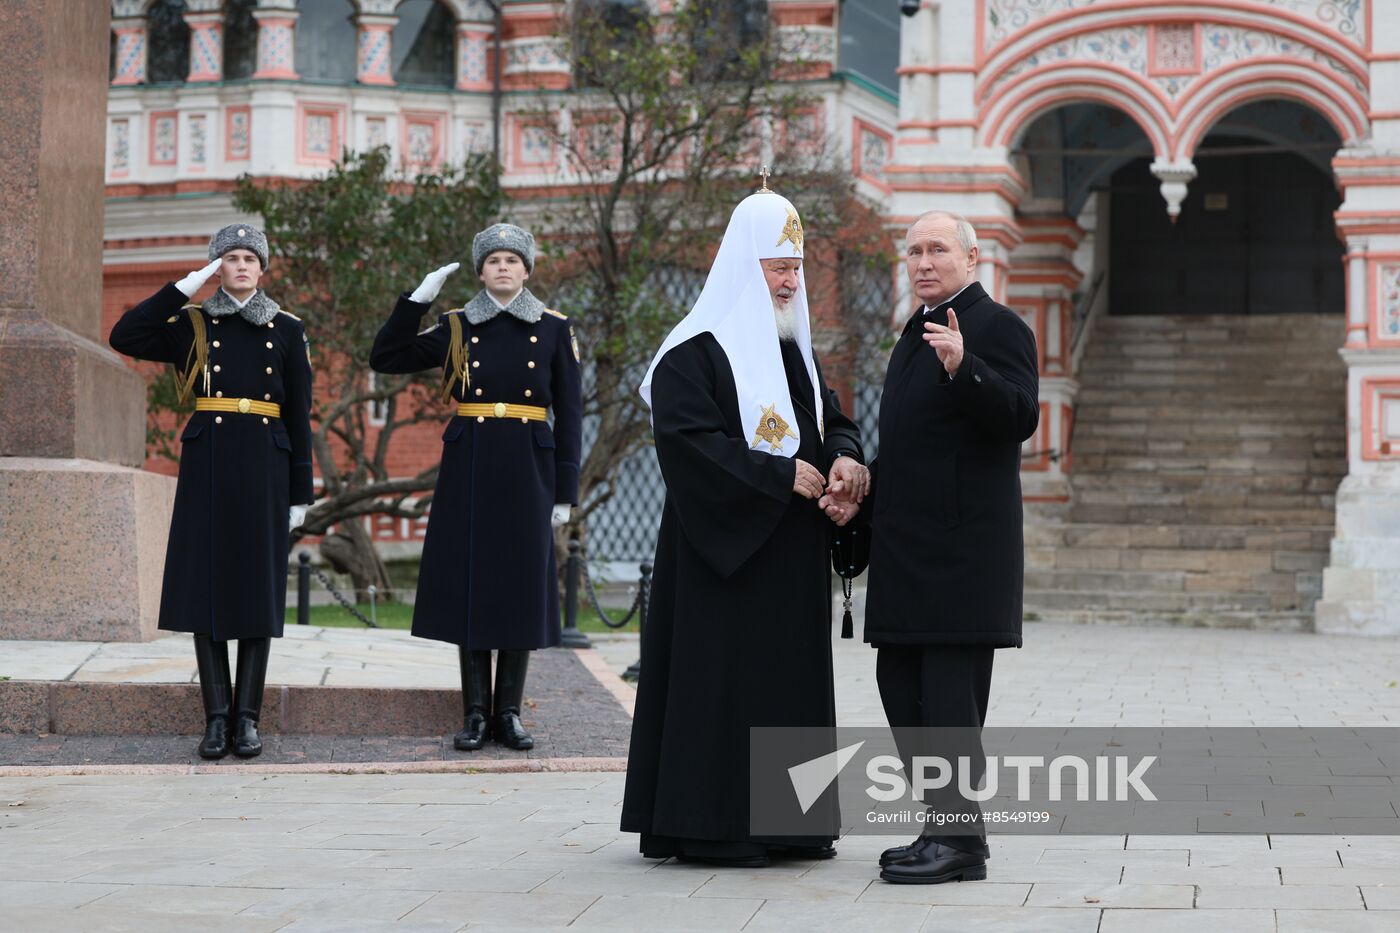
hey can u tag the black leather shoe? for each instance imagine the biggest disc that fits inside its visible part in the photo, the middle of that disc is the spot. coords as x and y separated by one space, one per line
935 863
215 744
898 853
507 730
246 741
475 732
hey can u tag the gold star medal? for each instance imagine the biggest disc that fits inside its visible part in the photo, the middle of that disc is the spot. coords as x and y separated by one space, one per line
772 429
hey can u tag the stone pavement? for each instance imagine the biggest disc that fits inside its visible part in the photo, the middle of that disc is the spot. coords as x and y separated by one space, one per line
396 851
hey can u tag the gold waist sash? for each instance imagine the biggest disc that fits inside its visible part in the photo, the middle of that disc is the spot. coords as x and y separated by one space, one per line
243 406
484 410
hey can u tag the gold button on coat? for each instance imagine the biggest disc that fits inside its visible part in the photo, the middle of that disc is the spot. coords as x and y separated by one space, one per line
479 419
243 406
476 364
218 419
269 324
219 394
267 396
216 369
269 344
534 339
476 340
531 364
269 370
528 393
499 410
264 421
478 391
216 344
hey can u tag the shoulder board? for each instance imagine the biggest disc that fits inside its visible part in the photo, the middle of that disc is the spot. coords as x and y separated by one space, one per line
289 314
460 310
562 317
197 305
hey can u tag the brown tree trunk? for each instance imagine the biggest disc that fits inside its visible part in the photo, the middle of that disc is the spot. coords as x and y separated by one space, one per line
351 551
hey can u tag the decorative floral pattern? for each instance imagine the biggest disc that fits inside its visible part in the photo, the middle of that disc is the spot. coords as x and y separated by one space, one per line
1224 45
1126 47
536 146
240 135
206 52
131 56
164 136
373 57
421 149
1005 18
1389 295
275 38
543 54
471 61
121 146
807 44
318 137
199 141
874 153
376 132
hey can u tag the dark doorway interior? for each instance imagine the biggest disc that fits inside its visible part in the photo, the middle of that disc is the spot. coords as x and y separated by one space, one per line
1255 236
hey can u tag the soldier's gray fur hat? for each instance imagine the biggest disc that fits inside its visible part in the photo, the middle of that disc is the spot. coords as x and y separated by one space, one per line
503 236
239 236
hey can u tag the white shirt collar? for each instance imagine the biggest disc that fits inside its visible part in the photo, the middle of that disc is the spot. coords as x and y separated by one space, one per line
947 301
240 305
498 302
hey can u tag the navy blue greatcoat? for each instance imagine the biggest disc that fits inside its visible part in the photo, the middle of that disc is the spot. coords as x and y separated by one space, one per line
487 579
226 560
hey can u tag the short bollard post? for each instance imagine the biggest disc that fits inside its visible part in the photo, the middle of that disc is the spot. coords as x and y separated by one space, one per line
643 602
303 587
373 606
571 637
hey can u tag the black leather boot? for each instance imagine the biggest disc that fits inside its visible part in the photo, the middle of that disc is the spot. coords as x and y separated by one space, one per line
215 687
506 727
248 694
476 700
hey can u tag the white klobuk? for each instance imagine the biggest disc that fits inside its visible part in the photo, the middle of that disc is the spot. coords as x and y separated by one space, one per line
737 308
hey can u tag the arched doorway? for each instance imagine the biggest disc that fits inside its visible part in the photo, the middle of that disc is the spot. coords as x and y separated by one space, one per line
1256 233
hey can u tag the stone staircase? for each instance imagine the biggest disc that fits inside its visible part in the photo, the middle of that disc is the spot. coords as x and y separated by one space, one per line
1206 455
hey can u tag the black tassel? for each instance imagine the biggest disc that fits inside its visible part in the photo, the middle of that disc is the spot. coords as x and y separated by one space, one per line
847 627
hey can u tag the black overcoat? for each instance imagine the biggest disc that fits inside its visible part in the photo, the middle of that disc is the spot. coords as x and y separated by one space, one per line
487 578
226 559
739 628
946 554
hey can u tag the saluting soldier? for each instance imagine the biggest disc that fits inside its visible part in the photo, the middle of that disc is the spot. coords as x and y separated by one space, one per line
487 579
245 470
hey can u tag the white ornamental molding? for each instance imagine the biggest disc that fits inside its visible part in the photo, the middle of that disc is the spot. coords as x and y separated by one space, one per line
535 54
806 44
1004 20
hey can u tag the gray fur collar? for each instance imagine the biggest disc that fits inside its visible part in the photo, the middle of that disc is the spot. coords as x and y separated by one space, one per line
525 306
259 310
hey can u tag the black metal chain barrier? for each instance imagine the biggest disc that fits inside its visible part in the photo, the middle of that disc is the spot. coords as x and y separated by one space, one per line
592 591
304 572
578 568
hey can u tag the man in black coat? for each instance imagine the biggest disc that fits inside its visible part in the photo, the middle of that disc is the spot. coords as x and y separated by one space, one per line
245 470
960 397
487 579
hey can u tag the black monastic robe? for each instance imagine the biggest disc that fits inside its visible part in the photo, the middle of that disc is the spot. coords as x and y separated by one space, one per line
739 629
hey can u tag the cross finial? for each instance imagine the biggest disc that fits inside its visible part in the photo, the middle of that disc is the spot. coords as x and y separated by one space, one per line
764 174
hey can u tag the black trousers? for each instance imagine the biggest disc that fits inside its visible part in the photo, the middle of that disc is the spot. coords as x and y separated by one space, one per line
932 687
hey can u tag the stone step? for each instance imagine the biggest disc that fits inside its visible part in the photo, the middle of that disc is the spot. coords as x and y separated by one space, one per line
1199 323
1205 498
1208 384
1199 515
1141 346
1218 594
1205 560
1332 449
1272 361
1084 463
1167 481
1206 618
1143 406
1079 536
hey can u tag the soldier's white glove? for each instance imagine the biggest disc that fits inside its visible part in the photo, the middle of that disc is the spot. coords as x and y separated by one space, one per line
195 280
433 283
296 516
560 516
